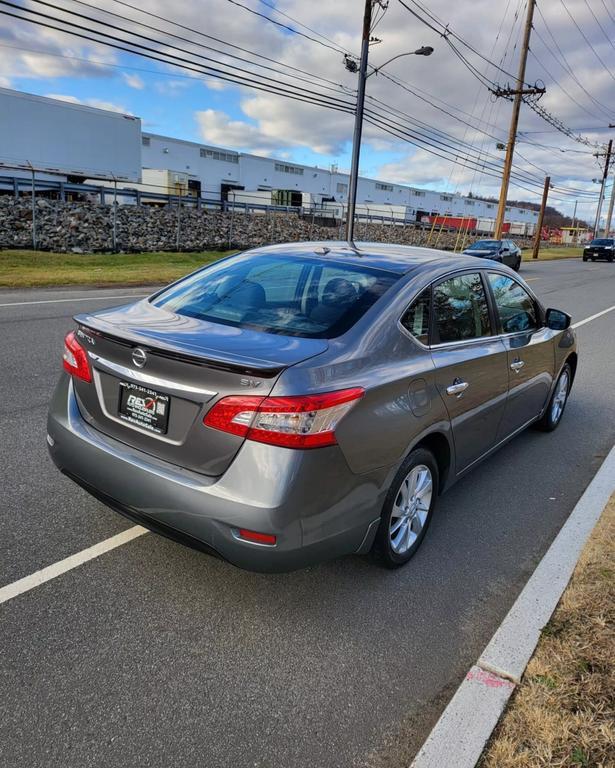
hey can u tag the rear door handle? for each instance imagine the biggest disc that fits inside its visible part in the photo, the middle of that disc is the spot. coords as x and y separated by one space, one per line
458 387
517 365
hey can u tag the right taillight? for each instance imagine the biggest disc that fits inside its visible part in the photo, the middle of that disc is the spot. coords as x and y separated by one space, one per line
305 421
75 360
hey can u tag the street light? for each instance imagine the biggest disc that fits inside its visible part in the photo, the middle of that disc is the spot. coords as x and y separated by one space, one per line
425 50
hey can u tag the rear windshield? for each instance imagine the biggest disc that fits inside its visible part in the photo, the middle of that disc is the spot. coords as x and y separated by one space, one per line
485 244
290 295
602 241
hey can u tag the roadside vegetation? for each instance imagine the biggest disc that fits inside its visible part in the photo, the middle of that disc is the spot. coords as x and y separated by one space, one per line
39 269
32 269
563 712
546 254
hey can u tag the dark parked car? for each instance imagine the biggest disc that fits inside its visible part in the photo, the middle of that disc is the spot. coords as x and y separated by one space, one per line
503 251
600 248
298 402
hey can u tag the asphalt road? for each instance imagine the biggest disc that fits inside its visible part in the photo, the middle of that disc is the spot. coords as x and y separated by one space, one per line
155 655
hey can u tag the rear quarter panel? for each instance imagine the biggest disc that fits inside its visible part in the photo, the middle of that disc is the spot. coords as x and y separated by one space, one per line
401 401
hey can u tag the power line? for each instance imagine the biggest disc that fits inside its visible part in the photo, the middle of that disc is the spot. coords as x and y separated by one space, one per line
597 55
148 38
599 23
334 47
565 64
276 88
206 36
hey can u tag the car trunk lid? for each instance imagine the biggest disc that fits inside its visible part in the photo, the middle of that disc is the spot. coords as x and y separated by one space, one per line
157 373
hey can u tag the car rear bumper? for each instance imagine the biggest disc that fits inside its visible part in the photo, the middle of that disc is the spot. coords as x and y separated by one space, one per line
310 500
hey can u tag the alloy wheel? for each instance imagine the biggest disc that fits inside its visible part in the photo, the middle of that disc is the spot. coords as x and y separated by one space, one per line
410 509
559 398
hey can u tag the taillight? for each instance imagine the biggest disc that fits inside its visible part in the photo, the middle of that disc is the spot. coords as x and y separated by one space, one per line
75 360
306 421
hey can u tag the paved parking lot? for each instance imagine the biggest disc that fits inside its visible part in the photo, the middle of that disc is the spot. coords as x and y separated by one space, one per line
155 655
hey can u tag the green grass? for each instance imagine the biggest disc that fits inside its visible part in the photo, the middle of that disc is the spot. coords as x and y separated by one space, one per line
30 269
546 254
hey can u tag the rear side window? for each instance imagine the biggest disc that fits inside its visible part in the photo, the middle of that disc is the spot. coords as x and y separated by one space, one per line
514 305
416 319
460 310
285 294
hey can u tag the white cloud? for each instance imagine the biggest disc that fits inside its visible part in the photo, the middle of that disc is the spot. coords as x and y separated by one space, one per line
133 81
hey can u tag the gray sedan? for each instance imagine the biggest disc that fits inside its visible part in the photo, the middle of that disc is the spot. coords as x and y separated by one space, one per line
300 402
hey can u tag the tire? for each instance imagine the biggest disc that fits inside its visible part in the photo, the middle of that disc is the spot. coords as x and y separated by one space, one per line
517 266
553 415
584 258
404 520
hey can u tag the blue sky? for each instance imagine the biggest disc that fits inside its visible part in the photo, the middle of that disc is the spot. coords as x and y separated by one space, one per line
172 102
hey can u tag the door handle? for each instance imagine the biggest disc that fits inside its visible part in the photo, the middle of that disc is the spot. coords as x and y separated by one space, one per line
517 365
458 387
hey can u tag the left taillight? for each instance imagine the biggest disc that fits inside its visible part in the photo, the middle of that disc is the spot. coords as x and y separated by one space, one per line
305 421
75 359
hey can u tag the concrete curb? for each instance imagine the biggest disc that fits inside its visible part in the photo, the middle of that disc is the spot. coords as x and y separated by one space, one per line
460 735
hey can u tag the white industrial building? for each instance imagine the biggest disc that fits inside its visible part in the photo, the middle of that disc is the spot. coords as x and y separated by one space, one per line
219 172
59 143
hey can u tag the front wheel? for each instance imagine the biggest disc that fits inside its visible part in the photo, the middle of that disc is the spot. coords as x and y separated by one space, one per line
517 266
407 510
557 403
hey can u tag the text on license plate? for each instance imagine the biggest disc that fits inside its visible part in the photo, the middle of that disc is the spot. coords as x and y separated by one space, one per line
144 407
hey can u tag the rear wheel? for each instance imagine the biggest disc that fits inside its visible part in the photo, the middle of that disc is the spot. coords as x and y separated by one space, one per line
557 403
407 510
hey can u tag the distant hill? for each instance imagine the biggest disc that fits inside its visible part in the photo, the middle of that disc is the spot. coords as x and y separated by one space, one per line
553 217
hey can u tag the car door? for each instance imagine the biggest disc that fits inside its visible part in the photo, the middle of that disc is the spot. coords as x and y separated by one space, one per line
529 348
471 364
506 253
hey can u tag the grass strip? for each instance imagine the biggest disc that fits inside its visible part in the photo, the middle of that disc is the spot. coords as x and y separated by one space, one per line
563 712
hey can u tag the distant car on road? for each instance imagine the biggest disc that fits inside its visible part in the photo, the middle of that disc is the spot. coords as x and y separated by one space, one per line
503 251
600 248
298 402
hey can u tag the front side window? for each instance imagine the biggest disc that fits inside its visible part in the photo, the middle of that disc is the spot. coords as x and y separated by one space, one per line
416 318
285 294
461 311
515 307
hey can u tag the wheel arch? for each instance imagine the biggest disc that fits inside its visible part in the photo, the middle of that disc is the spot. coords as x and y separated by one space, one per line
572 361
438 444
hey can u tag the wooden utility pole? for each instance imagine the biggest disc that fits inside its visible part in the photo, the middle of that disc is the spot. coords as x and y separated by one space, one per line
607 164
609 217
518 93
541 217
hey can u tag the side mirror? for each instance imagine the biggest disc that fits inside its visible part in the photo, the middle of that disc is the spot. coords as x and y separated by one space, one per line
557 320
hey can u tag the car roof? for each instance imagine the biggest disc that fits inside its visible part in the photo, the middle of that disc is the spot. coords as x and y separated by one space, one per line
400 259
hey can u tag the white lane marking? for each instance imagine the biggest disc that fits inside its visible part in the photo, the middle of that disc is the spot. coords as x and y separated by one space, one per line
593 317
62 566
79 298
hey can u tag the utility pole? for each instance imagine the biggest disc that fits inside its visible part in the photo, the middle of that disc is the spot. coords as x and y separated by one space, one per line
574 215
518 93
358 123
541 216
609 218
607 164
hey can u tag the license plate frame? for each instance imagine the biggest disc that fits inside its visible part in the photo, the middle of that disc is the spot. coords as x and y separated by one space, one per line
143 407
